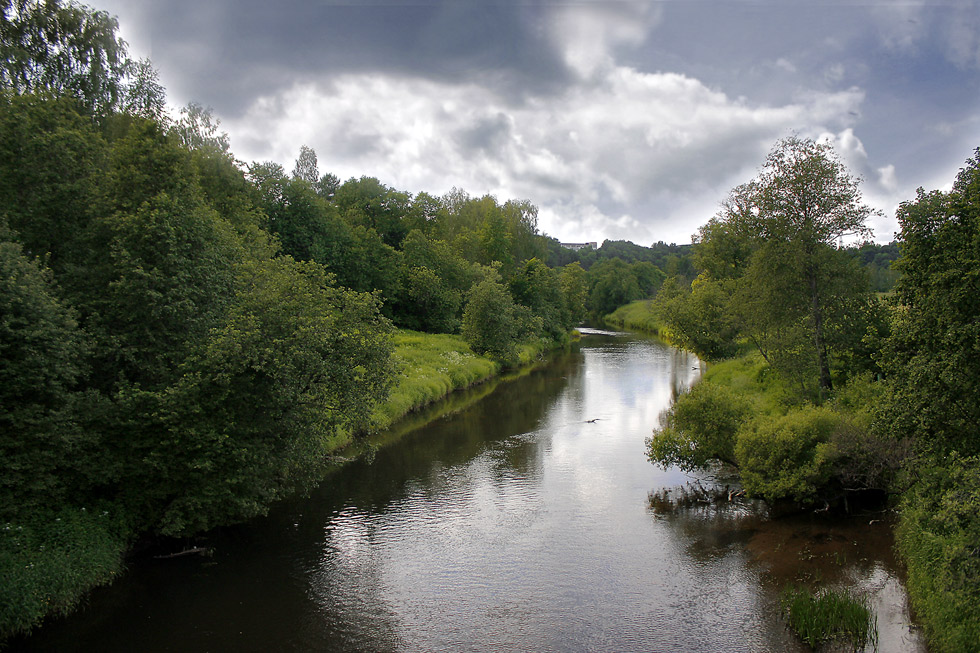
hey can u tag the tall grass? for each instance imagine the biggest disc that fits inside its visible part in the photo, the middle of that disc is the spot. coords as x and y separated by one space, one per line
829 616
49 561
430 366
637 316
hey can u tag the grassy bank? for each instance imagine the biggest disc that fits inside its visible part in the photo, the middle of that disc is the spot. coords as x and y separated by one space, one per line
433 365
430 366
636 316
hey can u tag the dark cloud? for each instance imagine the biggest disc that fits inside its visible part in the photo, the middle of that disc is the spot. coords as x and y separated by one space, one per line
486 135
227 52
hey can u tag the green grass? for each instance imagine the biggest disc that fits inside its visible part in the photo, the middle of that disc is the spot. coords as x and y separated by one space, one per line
828 616
49 561
637 316
430 366
751 377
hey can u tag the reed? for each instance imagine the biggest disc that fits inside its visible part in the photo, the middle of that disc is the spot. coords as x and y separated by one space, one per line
829 615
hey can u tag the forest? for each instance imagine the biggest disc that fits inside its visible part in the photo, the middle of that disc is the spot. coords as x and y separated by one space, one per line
187 338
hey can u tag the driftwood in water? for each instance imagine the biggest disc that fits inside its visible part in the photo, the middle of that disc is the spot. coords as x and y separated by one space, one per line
197 550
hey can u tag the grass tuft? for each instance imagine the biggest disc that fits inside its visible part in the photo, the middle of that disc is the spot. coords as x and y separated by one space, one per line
828 616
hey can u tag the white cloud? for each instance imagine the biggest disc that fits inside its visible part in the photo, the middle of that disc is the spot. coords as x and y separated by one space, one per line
633 155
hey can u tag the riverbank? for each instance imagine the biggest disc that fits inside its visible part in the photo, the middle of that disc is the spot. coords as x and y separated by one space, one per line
49 564
933 536
638 316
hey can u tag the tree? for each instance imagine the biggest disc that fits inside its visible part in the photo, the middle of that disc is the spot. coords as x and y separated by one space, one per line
574 290
697 317
306 168
931 357
52 169
488 321
791 218
41 348
63 49
144 95
611 284
198 128
291 375
369 203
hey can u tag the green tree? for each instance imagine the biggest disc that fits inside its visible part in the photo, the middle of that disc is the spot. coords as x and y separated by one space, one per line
489 324
295 370
537 287
65 49
41 348
52 165
780 232
697 317
930 358
198 128
306 167
368 203
574 289
144 95
495 242
611 284
701 426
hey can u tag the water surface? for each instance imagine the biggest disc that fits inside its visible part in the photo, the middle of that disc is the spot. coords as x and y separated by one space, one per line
519 523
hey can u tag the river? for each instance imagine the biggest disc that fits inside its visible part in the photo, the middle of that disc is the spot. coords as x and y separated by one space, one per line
519 522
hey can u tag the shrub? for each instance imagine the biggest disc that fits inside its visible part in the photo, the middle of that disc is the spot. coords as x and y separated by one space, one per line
789 456
939 536
700 427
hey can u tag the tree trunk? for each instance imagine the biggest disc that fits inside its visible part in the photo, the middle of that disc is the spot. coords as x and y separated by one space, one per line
816 314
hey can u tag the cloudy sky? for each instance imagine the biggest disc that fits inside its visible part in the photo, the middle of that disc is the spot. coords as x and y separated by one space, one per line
619 119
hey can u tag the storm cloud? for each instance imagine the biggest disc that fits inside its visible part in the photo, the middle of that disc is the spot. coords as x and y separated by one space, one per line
619 119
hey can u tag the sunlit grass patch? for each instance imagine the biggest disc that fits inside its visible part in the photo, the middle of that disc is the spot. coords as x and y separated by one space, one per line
430 366
637 316
827 616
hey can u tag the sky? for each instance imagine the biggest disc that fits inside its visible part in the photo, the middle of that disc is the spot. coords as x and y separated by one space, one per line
619 119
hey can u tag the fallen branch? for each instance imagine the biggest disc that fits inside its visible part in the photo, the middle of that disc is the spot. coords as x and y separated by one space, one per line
199 550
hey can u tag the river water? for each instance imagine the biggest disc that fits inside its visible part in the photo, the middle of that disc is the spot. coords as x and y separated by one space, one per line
517 519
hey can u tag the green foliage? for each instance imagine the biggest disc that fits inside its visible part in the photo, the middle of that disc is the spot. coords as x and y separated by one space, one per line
611 284
574 289
697 318
789 456
489 323
701 426
745 415
296 370
879 262
162 279
429 367
537 287
774 248
65 49
828 616
49 560
932 369
52 162
931 358
368 203
938 536
41 348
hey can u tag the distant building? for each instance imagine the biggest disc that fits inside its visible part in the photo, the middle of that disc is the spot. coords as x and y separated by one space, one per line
578 246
